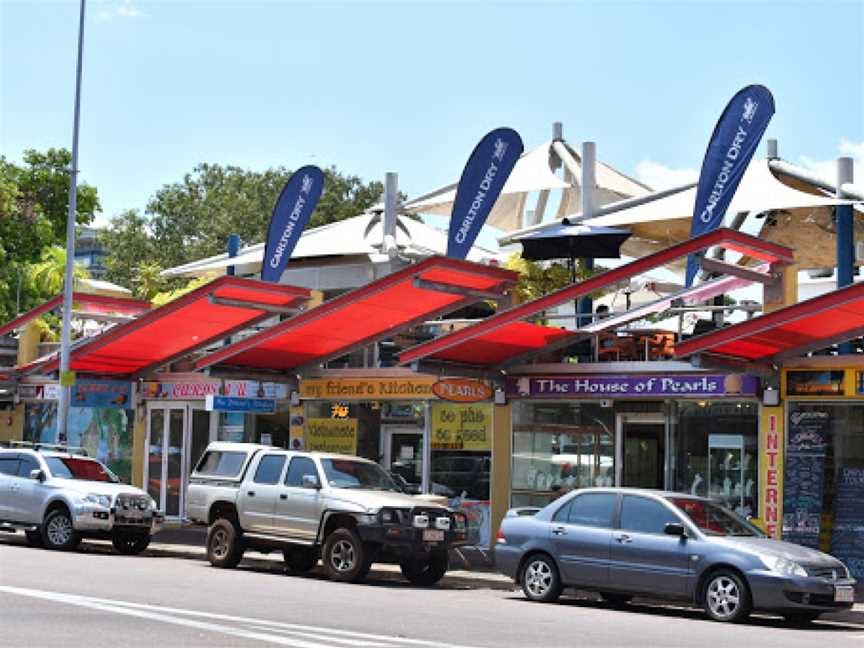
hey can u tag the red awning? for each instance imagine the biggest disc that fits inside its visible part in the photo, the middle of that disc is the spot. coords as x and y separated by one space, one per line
417 293
193 321
789 332
505 337
92 303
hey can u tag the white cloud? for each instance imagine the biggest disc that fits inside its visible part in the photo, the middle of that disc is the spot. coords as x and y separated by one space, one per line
658 176
122 9
827 169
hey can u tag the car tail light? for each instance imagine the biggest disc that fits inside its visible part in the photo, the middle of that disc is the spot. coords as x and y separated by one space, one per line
499 537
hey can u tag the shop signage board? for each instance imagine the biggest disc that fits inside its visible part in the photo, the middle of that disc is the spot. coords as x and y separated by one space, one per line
772 477
414 388
815 383
102 393
461 426
462 390
847 534
331 435
215 403
195 390
49 391
603 386
803 477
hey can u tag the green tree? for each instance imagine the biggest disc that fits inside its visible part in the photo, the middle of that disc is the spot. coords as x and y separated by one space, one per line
47 275
148 281
33 205
129 243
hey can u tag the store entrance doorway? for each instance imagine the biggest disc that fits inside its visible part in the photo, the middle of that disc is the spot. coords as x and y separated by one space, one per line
403 454
641 451
177 435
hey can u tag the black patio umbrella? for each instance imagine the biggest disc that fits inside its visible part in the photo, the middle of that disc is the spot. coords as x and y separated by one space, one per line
566 241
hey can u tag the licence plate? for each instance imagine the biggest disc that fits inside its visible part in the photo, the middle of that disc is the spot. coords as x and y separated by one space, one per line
432 535
844 594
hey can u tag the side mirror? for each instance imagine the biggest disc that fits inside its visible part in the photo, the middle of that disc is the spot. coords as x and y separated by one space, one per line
675 529
37 474
311 481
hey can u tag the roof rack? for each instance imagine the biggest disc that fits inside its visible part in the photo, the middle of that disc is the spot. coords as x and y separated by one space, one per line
55 447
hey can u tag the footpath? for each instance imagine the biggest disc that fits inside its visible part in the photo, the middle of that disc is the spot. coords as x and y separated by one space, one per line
475 571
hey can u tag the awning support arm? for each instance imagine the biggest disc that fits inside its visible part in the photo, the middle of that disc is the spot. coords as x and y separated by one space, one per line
721 267
425 284
249 305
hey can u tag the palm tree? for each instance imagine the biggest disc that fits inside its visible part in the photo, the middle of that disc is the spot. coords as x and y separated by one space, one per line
48 274
148 280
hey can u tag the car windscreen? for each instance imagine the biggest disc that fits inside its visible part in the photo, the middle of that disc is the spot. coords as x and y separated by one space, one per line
218 463
73 468
344 473
715 520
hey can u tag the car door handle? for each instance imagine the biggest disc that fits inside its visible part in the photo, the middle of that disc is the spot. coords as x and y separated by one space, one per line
559 531
283 496
623 539
251 493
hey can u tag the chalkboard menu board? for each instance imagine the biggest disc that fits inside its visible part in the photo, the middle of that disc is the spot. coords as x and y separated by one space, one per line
803 477
847 535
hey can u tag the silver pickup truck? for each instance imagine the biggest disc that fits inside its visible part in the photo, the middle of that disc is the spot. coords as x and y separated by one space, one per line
345 510
57 498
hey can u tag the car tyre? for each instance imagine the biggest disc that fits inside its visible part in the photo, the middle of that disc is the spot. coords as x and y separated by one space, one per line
615 599
58 532
540 579
426 572
300 560
726 597
801 618
34 538
224 546
346 558
130 544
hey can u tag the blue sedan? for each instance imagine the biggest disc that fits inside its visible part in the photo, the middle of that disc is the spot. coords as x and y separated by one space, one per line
623 542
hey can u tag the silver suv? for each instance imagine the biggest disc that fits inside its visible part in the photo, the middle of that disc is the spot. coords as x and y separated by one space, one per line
345 509
57 498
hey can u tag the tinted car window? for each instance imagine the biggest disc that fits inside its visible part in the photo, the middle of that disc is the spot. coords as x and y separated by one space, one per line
299 467
590 509
221 464
645 515
9 465
27 464
270 469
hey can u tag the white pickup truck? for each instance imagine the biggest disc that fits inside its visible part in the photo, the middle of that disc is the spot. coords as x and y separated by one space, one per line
345 510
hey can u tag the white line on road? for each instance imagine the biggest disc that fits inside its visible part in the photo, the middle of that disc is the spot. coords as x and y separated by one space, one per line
252 631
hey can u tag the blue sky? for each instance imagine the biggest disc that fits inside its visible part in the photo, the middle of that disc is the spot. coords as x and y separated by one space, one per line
411 87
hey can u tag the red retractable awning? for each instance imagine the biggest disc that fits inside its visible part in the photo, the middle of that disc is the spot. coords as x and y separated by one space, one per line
190 322
505 337
93 303
792 331
427 290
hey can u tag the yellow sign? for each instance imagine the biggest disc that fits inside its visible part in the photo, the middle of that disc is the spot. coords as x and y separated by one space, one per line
332 435
296 426
462 427
67 378
414 388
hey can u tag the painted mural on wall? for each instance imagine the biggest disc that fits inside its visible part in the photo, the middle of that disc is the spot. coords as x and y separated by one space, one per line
104 433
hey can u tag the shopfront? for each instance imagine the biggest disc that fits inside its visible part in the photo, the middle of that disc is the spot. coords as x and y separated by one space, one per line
696 433
433 435
823 480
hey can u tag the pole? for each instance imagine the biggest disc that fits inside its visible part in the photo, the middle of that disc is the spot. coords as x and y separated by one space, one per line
388 224
68 280
845 236
233 250
589 154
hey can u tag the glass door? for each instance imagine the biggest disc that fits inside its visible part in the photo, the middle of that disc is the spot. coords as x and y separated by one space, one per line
641 451
403 454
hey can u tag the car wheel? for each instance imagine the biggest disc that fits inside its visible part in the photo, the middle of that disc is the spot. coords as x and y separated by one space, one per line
130 544
224 547
540 579
726 597
34 538
300 560
426 572
615 599
345 557
58 532
801 618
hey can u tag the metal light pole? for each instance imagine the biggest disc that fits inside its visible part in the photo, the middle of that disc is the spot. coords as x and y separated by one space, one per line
68 280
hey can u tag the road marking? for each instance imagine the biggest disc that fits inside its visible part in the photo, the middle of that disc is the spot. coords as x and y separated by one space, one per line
298 636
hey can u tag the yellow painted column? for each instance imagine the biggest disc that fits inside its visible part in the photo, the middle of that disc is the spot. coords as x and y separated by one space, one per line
771 457
28 343
784 295
502 451
12 424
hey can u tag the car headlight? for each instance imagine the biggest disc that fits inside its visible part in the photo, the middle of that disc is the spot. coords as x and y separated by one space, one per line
95 498
784 566
152 505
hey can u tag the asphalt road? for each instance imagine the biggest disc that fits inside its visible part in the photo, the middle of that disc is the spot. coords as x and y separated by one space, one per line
94 598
